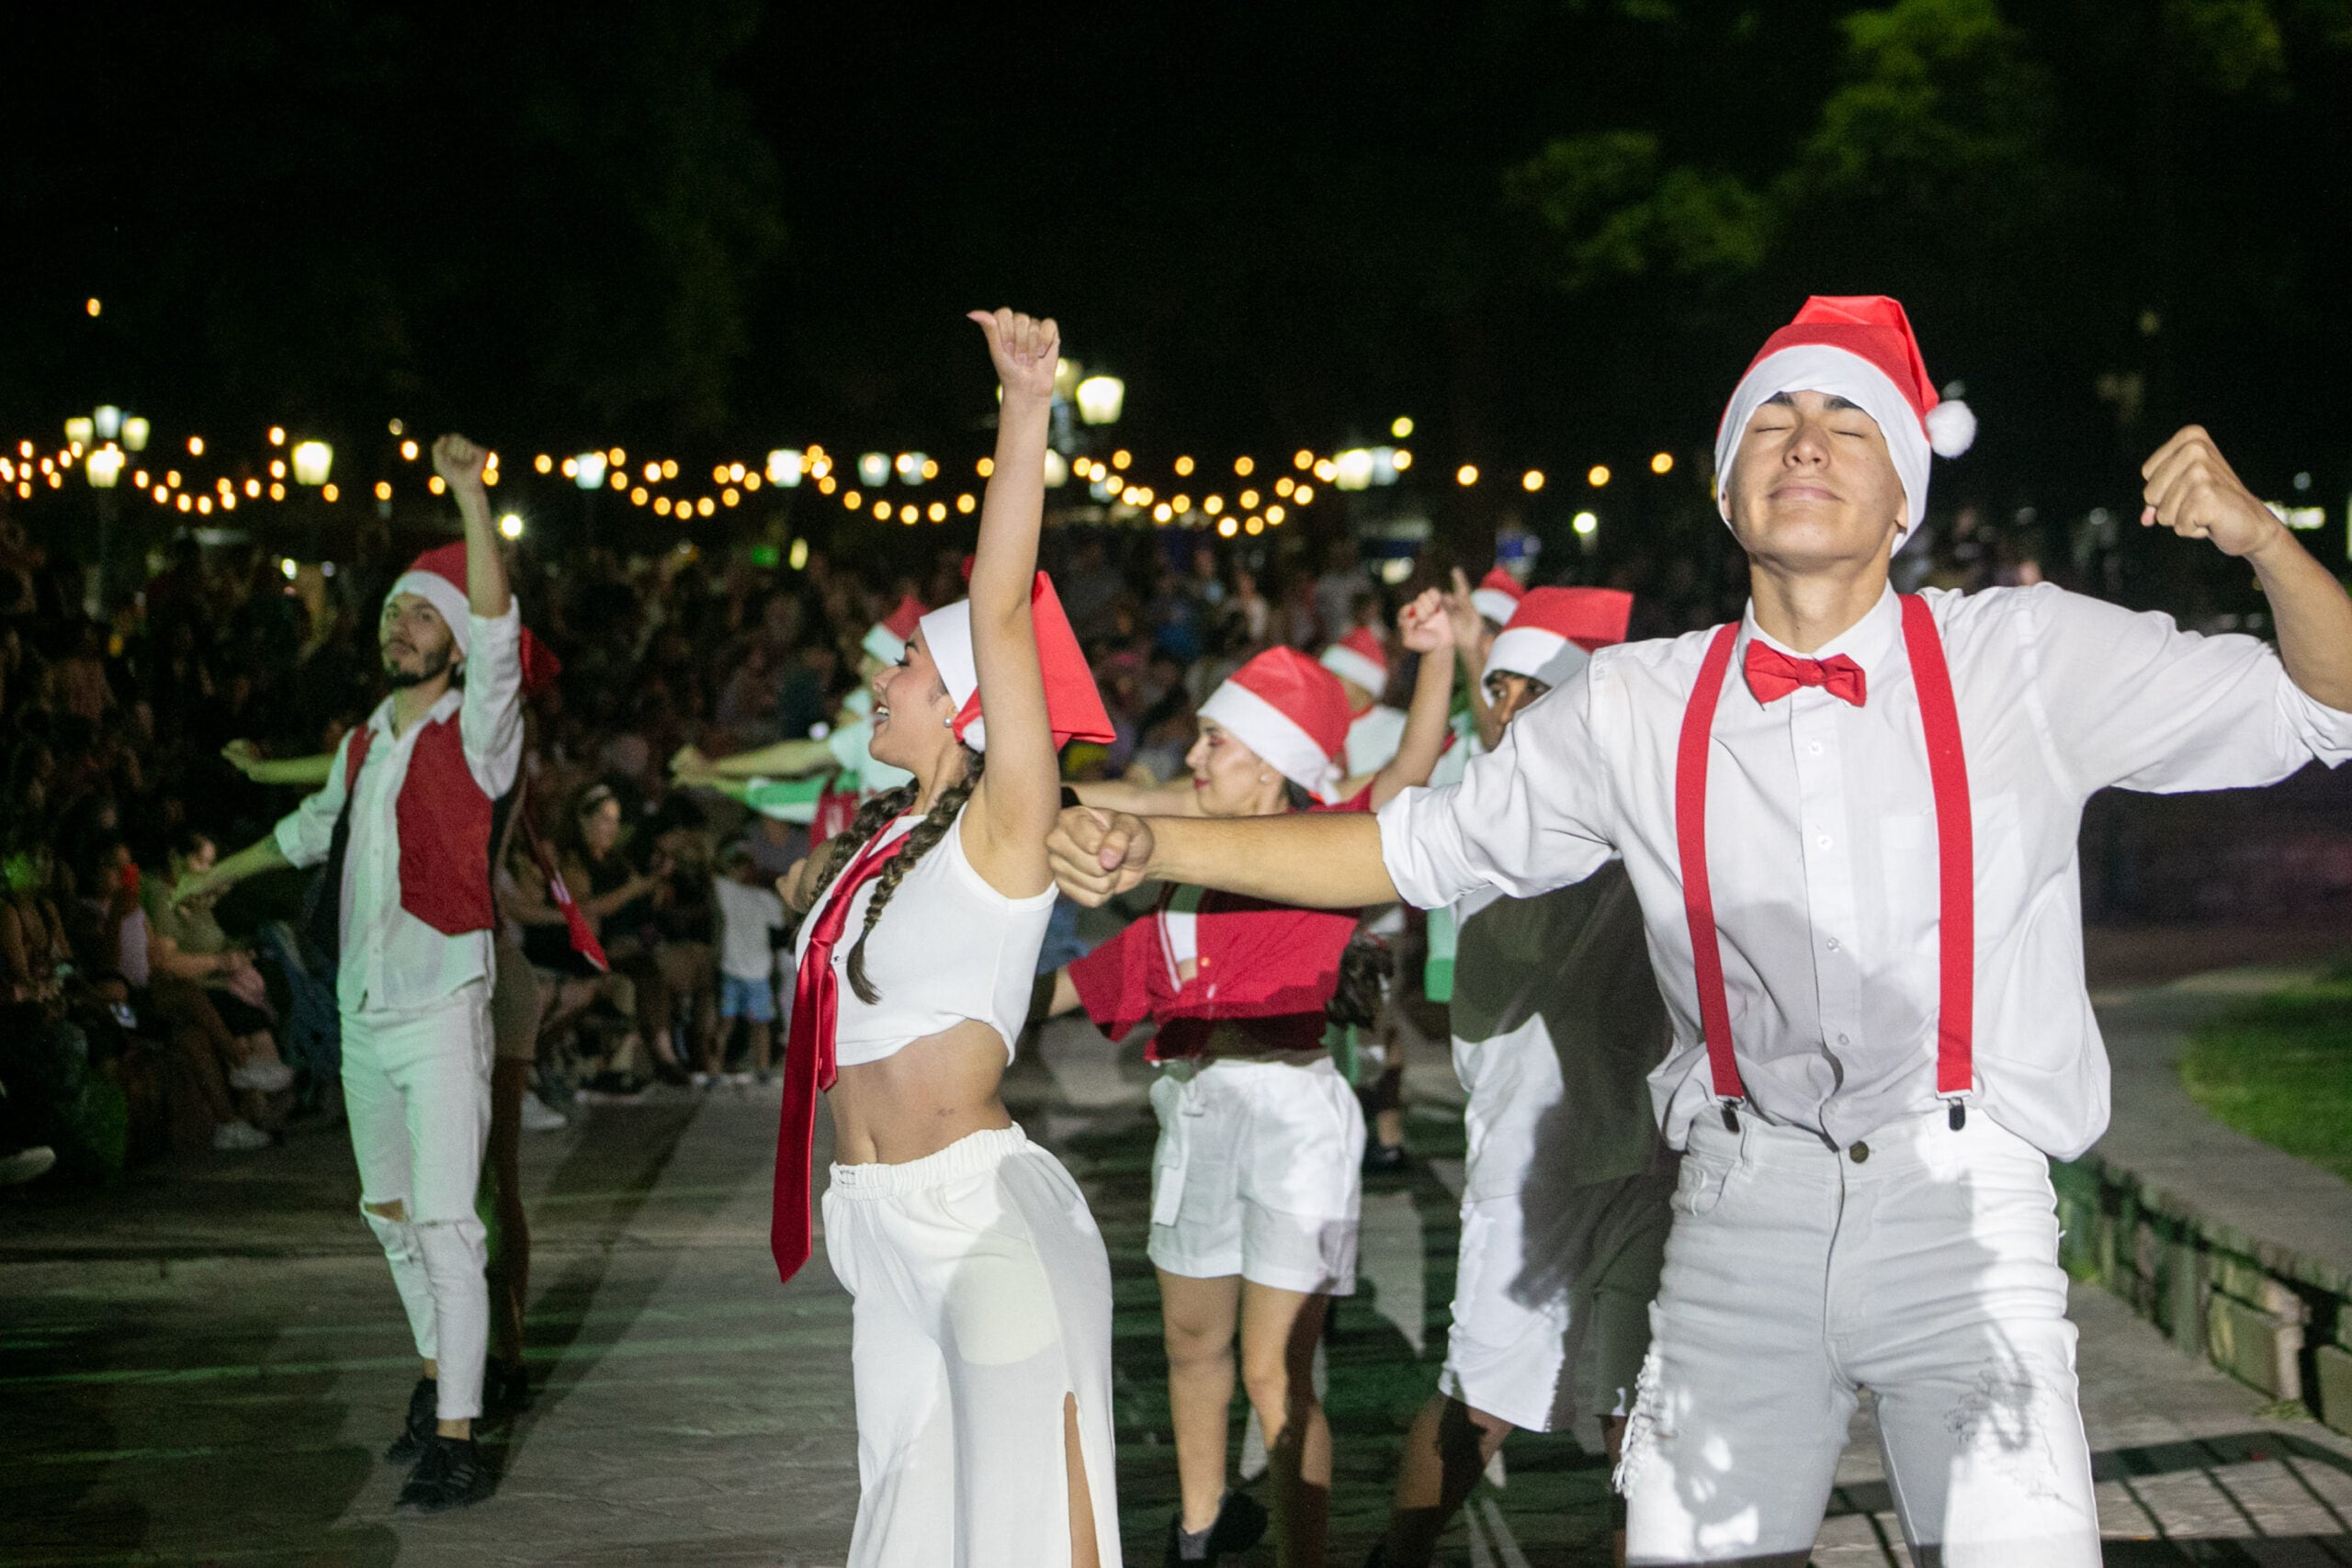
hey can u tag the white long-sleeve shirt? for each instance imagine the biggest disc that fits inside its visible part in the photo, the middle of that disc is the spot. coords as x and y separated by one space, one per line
391 961
1822 848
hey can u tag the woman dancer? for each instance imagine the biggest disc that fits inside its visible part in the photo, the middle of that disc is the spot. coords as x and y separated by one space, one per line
981 1331
1257 1180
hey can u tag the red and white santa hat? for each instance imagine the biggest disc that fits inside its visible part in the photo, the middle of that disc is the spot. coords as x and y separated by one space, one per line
885 639
1557 630
1359 656
438 577
1073 707
1498 595
1859 347
1291 711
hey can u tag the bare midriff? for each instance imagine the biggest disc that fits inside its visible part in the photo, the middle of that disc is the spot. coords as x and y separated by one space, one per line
919 1098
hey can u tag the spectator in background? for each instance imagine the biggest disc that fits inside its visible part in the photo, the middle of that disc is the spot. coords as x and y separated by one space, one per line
750 918
206 979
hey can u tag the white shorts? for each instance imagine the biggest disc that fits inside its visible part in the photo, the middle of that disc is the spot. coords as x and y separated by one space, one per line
1550 1304
982 1300
1922 1264
1553 1283
1259 1172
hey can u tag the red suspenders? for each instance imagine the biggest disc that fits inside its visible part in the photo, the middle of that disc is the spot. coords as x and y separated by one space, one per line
1955 860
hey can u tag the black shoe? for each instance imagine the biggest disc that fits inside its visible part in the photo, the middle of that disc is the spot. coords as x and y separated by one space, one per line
1240 1525
505 1388
448 1474
422 1408
1383 1160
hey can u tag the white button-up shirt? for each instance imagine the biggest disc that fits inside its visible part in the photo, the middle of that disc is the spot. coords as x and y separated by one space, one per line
1821 840
391 961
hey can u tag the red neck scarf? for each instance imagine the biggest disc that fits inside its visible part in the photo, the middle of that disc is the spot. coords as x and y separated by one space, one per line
809 1066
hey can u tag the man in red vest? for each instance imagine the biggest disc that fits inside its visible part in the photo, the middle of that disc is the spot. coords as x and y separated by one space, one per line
407 813
1850 820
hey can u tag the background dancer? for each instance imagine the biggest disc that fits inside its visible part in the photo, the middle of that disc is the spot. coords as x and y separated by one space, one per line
404 822
981 1329
1257 1183
1890 845
1556 1023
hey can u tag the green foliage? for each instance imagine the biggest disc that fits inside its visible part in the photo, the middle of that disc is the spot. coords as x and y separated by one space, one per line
2280 1070
1618 210
2229 45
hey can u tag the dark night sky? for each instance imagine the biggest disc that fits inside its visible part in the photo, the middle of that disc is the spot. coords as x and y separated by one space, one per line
714 226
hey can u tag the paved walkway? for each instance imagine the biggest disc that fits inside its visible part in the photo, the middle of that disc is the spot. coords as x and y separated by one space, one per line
200 1371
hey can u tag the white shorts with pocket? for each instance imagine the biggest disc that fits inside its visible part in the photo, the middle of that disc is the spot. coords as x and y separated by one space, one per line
1259 1172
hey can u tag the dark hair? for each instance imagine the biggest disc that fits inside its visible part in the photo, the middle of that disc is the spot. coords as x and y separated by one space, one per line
187 839
843 846
1365 968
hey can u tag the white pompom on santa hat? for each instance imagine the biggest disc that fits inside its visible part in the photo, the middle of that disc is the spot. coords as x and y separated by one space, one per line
1498 595
1557 630
1359 656
1290 710
1859 347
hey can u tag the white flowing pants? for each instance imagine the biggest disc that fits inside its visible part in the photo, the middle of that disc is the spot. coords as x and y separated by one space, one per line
416 1088
982 1300
1923 1266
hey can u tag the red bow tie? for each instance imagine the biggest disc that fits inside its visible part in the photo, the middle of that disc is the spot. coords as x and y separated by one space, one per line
1772 675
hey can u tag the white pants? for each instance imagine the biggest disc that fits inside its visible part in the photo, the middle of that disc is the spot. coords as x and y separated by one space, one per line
1923 1266
982 1300
1259 1172
416 1087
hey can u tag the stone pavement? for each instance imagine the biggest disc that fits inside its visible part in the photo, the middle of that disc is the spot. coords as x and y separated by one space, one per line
201 1368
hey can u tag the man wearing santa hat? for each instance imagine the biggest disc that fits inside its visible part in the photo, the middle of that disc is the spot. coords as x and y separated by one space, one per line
405 823
1850 818
1556 1023
1374 729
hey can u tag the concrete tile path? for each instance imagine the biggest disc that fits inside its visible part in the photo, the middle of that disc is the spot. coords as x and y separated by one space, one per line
199 1369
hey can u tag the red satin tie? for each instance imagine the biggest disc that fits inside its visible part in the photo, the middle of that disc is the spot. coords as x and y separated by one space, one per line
1772 675
809 1054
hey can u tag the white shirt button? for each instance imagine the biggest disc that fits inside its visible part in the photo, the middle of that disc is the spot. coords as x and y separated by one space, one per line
1823 841
1833 945
1815 748
1843 1041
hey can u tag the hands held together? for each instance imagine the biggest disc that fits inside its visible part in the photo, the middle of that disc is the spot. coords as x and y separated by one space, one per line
1096 855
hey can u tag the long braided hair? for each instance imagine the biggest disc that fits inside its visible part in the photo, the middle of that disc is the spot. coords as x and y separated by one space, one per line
844 847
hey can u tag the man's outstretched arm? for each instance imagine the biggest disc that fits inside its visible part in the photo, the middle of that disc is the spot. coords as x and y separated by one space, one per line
1323 860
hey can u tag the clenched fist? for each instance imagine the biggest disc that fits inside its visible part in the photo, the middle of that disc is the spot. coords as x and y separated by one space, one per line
1424 625
2191 490
459 462
1096 855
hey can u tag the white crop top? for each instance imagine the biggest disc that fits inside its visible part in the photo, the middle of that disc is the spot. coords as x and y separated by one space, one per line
948 947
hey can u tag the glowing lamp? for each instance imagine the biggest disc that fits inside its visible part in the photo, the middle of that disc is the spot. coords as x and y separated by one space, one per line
1354 467
105 467
312 462
588 470
81 430
1100 399
134 434
510 526
1057 469
108 420
784 466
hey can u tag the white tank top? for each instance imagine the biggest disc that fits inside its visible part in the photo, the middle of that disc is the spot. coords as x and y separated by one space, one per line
948 947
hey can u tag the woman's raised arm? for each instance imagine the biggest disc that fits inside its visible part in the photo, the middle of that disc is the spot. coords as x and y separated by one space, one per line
1019 796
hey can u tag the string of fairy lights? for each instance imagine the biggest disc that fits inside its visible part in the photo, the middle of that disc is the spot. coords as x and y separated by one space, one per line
1243 495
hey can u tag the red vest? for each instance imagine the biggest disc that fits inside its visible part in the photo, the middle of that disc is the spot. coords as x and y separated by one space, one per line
445 828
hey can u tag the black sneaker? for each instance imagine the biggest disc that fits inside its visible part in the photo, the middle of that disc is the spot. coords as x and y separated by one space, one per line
423 1409
1383 1160
1240 1525
448 1474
